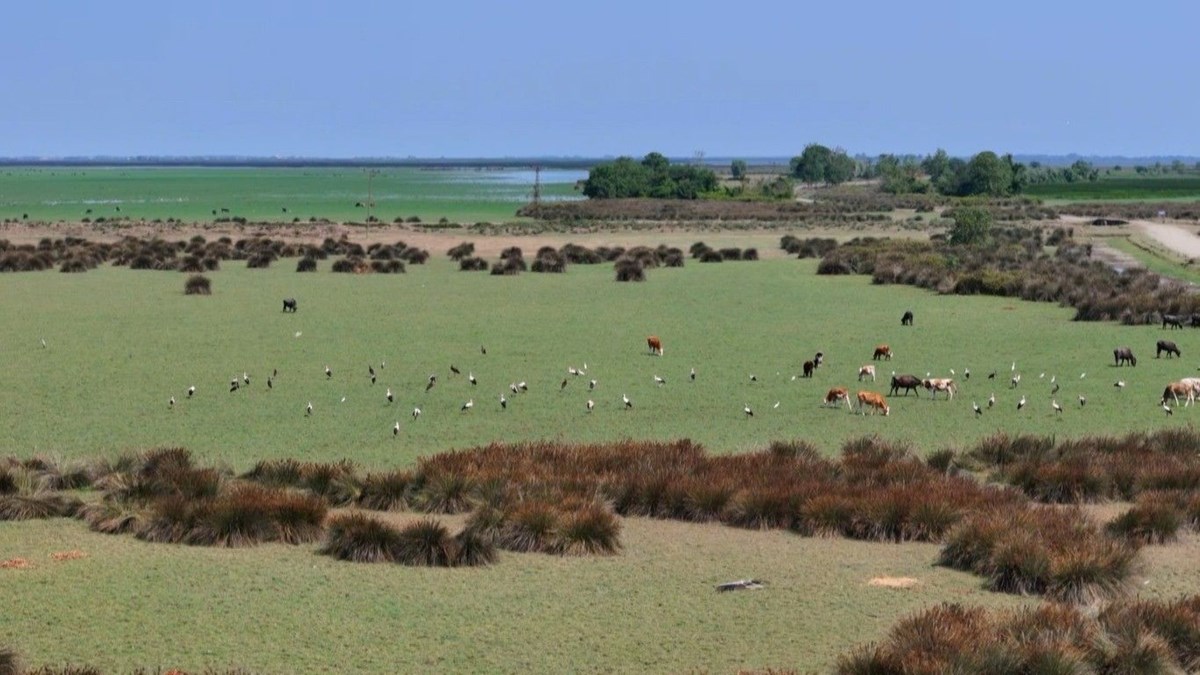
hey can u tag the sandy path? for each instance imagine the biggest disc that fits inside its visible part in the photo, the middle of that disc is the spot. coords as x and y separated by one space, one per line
1175 237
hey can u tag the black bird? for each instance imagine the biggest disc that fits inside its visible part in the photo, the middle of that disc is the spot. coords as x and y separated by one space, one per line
454 370
371 370
274 372
483 350
563 385
269 385
992 375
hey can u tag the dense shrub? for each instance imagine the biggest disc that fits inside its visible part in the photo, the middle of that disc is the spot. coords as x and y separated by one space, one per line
197 285
629 269
461 251
306 264
472 265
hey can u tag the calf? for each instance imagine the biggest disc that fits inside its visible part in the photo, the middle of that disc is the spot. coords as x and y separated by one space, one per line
289 304
906 320
836 394
1123 355
882 352
936 384
1172 320
876 401
655 345
1166 346
907 383
865 372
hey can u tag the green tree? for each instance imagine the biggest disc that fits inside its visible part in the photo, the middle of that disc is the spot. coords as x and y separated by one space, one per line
936 165
810 166
988 174
738 169
972 226
839 167
655 161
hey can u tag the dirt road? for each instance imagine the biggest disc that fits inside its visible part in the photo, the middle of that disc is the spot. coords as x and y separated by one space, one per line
1175 237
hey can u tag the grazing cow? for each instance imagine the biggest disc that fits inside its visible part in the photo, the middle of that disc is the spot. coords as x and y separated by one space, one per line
836 394
935 384
1166 346
289 304
865 372
876 401
906 320
1123 355
907 383
655 345
809 367
882 352
1175 390
1172 320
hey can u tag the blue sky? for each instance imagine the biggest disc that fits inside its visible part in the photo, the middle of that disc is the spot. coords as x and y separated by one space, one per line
454 79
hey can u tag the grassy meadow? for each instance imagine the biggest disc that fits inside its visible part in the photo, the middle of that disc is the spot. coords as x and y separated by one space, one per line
261 194
120 343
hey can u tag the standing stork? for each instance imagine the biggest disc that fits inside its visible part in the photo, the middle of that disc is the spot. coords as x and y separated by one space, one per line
628 403
328 372
389 395
468 405
503 402
308 409
396 429
416 413
590 404
746 409
191 391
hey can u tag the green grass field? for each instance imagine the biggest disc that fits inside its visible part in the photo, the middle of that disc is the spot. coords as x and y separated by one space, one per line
121 342
1123 186
257 194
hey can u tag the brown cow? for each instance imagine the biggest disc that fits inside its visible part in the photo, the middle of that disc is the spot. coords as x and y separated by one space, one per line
1184 388
876 401
655 345
883 352
837 394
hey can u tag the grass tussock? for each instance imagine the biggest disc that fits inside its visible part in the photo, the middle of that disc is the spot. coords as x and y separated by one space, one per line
1059 553
1134 636
337 482
197 284
425 543
1092 468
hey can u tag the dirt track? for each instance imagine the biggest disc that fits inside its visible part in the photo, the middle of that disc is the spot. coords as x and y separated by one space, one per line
1175 237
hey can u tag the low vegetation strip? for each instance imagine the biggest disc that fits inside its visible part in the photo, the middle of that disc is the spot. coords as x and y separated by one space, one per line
1128 636
564 499
1016 262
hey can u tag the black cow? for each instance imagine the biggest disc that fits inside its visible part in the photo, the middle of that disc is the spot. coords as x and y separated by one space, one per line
809 367
906 320
1172 320
1166 346
1123 355
289 304
907 383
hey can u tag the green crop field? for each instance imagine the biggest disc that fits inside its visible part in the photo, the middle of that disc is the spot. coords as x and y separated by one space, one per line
120 343
261 194
1120 187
